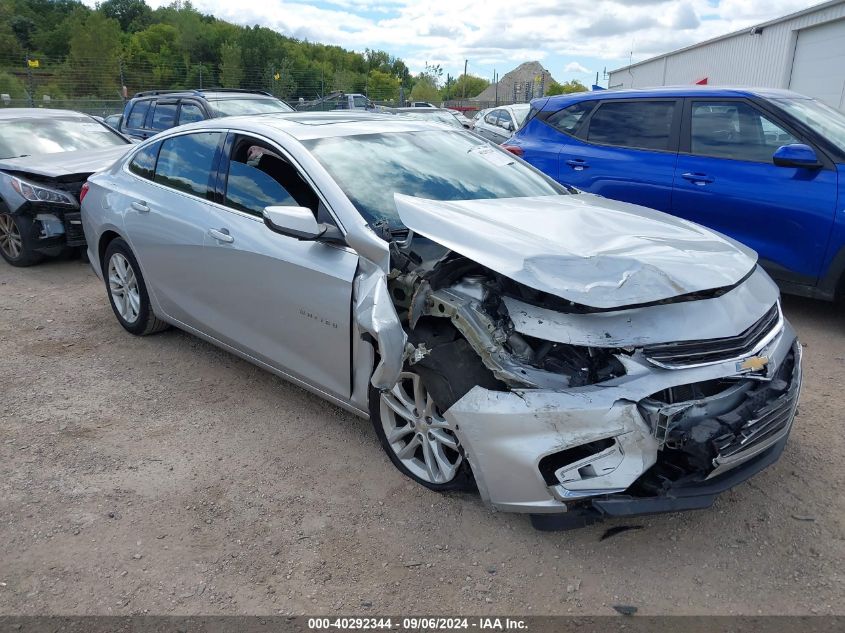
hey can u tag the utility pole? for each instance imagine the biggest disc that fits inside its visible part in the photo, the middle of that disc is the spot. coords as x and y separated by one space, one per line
200 76
496 81
30 82
466 61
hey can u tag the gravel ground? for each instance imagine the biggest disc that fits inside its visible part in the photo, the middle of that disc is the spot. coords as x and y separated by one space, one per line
162 475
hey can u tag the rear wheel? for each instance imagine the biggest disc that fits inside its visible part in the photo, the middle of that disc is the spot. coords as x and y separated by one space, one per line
16 240
416 437
128 292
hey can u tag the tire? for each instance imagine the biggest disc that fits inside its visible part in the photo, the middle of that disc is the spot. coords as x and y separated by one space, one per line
17 243
128 292
437 460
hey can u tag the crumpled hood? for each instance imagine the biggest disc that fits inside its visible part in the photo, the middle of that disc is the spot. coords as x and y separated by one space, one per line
81 162
586 249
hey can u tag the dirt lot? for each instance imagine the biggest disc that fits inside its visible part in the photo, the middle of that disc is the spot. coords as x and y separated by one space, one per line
161 475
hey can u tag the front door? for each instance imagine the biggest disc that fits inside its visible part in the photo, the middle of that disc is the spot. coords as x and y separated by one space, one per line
725 179
283 301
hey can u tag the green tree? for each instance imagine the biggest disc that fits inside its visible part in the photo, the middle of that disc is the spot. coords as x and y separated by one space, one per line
12 86
467 86
425 89
567 87
382 86
93 60
133 15
231 66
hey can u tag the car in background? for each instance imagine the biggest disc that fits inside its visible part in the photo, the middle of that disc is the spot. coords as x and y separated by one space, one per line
338 101
113 120
500 123
766 167
566 355
477 117
420 104
45 157
460 116
153 111
435 115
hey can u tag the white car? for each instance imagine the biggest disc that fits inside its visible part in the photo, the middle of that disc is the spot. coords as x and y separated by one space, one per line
500 123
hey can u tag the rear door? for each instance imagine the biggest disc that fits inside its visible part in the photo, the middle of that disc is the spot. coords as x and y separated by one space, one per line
489 124
625 150
725 179
283 301
167 217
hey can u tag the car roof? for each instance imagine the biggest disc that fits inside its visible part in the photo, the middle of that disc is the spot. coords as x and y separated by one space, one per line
211 93
669 91
310 125
39 113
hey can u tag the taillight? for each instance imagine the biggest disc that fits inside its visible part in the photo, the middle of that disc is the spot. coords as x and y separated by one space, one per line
83 192
514 149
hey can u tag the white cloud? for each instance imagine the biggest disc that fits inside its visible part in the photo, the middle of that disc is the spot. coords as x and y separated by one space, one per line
497 33
575 67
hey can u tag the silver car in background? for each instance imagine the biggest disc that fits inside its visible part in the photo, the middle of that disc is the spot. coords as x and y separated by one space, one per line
571 357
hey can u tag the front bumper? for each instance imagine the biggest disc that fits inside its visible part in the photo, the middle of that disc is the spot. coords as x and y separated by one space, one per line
602 443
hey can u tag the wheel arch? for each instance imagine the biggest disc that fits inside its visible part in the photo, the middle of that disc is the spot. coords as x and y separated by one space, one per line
108 236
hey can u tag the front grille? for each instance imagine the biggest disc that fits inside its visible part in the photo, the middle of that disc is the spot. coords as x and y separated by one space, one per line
703 352
767 422
74 234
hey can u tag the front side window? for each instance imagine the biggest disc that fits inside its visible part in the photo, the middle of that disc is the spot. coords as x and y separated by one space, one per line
143 164
433 164
260 177
138 114
164 116
186 162
635 124
190 113
735 130
568 119
826 121
493 117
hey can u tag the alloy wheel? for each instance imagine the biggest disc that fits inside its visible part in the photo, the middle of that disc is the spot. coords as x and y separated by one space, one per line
123 287
417 432
10 236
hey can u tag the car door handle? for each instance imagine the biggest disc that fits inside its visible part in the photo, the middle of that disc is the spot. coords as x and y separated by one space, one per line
698 179
221 235
140 206
578 164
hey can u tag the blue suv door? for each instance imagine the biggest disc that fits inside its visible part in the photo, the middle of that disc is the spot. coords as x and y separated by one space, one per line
625 149
725 179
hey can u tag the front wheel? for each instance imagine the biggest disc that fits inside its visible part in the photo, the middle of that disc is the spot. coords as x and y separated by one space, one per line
16 240
416 437
128 292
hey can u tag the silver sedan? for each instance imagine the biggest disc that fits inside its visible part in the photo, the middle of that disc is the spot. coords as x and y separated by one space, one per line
567 356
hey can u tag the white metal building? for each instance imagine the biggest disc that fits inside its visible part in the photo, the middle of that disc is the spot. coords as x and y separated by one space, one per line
804 52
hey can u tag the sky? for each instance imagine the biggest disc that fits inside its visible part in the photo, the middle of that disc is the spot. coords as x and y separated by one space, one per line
573 39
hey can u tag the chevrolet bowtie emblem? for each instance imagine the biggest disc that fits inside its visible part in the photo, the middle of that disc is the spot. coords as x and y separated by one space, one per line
752 364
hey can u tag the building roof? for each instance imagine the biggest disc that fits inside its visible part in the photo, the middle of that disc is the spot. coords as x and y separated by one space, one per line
762 25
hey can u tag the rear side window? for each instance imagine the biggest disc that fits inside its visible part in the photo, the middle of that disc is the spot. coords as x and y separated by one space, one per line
143 163
637 124
568 119
189 113
138 114
186 162
164 116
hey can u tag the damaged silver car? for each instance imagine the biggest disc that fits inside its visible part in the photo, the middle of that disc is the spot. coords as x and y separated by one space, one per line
569 356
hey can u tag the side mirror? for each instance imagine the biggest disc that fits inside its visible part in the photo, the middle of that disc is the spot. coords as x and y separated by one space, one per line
299 222
796 155
508 125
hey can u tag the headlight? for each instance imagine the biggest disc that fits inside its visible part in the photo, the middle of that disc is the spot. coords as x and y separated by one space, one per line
37 193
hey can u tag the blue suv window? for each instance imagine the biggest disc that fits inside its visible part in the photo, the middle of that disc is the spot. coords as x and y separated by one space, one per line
568 119
635 124
737 130
164 116
138 114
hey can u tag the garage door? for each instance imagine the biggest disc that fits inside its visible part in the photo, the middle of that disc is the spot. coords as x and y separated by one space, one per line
818 69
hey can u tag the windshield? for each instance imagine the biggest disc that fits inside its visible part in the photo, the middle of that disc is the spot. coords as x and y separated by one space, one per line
814 114
437 117
26 137
435 164
520 112
235 107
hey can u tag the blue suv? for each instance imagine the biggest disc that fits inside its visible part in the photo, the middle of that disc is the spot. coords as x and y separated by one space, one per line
766 167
